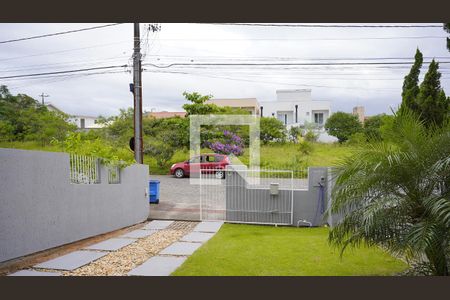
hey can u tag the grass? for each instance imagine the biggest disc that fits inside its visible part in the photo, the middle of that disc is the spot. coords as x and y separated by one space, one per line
250 250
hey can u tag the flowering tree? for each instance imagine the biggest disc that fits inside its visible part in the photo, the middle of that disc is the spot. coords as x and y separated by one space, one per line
229 144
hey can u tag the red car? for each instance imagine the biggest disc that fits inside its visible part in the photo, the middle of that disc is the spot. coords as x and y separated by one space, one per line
208 163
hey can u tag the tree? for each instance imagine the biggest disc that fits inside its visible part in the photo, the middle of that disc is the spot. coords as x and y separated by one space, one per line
411 84
342 125
372 126
199 105
24 118
447 28
429 98
271 129
396 194
431 101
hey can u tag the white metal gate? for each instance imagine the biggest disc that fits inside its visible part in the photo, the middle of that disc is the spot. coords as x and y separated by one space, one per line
247 196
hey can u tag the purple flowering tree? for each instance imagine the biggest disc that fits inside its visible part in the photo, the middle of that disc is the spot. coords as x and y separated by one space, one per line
229 144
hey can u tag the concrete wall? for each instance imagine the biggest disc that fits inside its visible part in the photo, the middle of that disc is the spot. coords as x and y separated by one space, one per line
41 209
257 205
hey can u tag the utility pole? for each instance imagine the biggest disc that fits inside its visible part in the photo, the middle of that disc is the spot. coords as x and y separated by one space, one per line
42 97
137 92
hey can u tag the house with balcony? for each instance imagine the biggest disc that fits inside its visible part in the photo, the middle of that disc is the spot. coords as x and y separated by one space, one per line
249 104
297 108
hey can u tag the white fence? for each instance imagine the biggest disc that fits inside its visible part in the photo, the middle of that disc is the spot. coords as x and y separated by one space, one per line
84 169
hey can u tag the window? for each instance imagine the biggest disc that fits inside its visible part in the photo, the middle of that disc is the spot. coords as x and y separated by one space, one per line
82 123
318 118
210 158
195 160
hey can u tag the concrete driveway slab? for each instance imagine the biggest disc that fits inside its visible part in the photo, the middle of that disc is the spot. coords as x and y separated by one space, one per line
199 237
112 244
138 234
181 248
208 226
158 266
158 224
34 273
71 261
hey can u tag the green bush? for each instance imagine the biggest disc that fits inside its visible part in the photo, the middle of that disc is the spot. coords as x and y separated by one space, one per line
342 125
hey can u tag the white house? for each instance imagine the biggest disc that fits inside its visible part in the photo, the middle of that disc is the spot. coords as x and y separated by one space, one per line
82 122
85 122
296 107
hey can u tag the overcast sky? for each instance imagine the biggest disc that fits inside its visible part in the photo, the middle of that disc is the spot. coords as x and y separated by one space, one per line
376 87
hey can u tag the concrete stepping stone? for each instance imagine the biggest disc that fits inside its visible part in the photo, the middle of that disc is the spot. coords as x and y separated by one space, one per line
138 234
199 237
34 273
181 248
111 244
158 266
157 225
208 226
71 261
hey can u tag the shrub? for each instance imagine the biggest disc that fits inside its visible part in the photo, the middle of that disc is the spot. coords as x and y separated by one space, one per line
342 125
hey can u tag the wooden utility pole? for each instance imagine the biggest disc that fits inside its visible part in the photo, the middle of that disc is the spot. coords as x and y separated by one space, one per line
42 97
137 86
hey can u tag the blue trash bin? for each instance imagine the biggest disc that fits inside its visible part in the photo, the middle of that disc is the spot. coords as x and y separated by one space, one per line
154 191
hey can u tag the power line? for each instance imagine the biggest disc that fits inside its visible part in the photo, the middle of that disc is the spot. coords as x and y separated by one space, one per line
307 39
62 72
284 64
66 50
58 33
324 25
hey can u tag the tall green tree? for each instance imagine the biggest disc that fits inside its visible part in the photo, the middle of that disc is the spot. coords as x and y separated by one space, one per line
411 84
342 125
432 103
396 194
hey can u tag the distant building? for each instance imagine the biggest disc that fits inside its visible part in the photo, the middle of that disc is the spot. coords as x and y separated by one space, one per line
296 108
359 111
249 104
85 122
165 114
82 122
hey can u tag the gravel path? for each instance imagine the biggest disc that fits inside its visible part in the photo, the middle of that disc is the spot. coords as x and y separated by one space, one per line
120 262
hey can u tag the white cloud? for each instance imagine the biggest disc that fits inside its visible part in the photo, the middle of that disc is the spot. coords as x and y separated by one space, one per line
105 94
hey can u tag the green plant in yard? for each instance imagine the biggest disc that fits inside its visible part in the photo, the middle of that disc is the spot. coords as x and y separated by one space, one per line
342 125
85 144
357 138
161 151
271 130
396 194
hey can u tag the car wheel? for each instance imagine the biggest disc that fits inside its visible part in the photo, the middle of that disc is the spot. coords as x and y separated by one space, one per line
220 174
179 173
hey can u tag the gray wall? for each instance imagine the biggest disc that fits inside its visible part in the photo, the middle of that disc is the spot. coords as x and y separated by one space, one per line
41 209
257 205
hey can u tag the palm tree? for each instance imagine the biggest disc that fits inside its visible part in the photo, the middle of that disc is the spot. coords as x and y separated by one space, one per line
396 194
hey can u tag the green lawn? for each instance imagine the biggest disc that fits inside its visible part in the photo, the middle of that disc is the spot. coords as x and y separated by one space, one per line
250 250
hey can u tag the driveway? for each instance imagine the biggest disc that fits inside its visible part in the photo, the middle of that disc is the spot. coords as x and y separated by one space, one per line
179 200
